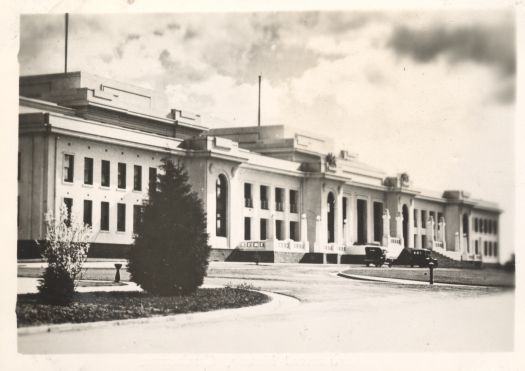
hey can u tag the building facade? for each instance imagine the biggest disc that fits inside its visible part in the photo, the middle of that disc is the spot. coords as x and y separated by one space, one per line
273 192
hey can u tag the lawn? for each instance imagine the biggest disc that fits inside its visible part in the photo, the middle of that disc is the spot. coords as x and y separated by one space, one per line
482 277
106 306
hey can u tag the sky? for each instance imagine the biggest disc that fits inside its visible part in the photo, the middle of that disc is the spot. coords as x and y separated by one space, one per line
431 93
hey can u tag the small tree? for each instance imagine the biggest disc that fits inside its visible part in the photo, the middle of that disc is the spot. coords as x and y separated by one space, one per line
170 252
66 249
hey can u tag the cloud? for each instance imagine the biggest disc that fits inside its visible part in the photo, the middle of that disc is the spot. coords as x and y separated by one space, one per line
491 45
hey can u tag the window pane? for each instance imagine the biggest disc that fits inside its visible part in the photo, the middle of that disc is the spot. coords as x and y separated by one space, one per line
88 170
105 174
121 217
121 175
69 207
69 161
104 216
137 178
88 209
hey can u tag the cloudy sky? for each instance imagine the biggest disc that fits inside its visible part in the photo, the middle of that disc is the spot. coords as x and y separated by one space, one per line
430 93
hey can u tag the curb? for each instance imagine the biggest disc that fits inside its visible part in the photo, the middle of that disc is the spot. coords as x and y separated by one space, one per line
408 282
277 301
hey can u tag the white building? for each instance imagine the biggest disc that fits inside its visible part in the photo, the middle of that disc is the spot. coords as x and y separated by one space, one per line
284 194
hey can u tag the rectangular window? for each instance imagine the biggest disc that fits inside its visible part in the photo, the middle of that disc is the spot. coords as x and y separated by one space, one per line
485 248
495 249
485 226
361 222
104 216
415 217
489 226
88 212
279 230
248 202
152 184
69 207
137 178
121 175
476 247
69 167
293 231
378 221
88 170
490 248
121 217
293 201
264 197
432 215
279 206
423 218
440 216
104 173
424 242
19 164
137 217
263 225
247 229
495 227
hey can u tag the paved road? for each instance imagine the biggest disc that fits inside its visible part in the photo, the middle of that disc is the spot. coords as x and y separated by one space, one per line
335 315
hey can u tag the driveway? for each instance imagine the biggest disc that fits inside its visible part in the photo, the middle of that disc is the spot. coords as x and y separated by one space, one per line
335 315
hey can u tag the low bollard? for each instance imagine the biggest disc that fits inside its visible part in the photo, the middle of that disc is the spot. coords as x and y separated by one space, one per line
117 275
431 267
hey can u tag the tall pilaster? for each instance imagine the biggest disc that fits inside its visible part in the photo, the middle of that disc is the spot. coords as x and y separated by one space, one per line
411 224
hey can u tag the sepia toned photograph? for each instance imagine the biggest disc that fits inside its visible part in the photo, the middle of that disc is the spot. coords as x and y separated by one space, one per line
290 182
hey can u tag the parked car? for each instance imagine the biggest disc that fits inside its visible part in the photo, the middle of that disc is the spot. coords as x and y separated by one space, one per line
422 257
376 255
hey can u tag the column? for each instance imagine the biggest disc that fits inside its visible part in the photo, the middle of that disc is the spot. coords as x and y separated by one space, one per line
430 233
339 238
318 233
352 220
286 210
369 219
271 227
442 234
304 232
386 227
399 225
411 224
346 231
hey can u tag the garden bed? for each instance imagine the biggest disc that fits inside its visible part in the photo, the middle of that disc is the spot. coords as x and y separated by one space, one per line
106 306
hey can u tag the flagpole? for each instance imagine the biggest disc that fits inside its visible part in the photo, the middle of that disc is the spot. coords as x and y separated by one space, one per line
259 111
65 54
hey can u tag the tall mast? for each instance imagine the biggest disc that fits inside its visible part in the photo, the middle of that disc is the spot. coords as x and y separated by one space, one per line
65 52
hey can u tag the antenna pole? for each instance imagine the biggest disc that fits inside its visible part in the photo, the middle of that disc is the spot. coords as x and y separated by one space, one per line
65 54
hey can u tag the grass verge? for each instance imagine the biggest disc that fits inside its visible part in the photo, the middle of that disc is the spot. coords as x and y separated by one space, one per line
106 306
478 277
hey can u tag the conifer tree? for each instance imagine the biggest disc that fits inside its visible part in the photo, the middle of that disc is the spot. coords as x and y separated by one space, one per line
170 252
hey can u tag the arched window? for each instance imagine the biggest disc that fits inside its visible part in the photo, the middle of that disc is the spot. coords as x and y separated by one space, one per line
221 192
331 217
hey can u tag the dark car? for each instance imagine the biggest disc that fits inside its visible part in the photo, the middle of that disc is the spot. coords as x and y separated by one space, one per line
377 256
422 257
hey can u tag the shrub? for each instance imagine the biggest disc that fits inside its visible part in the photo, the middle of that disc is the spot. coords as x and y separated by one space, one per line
56 287
66 248
170 252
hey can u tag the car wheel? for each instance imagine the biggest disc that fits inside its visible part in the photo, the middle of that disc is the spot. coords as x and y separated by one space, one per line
368 264
411 265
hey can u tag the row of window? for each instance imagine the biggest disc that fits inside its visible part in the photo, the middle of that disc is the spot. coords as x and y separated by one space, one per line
104 214
105 173
263 198
489 248
486 226
280 226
